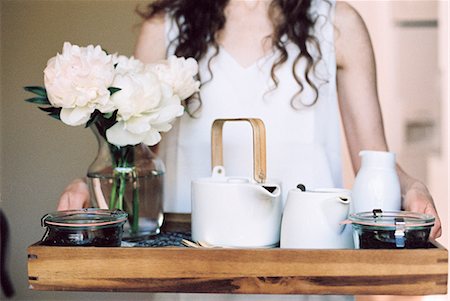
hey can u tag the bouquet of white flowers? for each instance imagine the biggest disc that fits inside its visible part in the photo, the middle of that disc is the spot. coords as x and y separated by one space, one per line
128 102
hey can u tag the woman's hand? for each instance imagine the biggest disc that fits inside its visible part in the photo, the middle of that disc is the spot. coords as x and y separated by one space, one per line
417 198
75 196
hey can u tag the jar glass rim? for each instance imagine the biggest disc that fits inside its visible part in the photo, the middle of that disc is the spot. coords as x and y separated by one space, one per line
84 217
389 219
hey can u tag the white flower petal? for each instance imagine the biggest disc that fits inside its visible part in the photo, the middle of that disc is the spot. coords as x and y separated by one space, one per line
118 135
152 137
169 113
162 127
140 93
76 116
179 74
79 77
127 64
138 125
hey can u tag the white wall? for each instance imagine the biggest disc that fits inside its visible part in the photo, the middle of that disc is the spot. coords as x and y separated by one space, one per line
439 163
412 69
408 79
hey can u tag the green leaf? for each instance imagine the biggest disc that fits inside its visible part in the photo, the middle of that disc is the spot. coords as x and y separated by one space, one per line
108 115
51 110
94 118
39 100
37 90
47 109
55 115
112 117
113 90
109 122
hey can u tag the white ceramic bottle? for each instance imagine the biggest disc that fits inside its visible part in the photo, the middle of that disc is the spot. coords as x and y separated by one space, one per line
376 185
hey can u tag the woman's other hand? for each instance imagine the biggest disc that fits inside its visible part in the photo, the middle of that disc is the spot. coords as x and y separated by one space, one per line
75 196
417 198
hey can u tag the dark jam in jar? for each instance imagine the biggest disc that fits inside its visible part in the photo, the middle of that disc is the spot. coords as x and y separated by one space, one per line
391 229
385 239
87 227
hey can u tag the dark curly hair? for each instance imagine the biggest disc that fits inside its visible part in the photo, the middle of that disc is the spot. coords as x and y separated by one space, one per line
199 21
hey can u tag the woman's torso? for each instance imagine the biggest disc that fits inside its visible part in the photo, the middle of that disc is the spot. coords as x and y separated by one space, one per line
303 145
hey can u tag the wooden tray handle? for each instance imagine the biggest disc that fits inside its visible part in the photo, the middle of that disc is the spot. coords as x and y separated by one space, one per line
259 145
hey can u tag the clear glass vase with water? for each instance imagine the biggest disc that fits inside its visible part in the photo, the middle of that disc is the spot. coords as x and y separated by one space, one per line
128 178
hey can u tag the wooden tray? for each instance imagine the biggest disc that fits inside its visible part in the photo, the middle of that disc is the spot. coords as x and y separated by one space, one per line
238 271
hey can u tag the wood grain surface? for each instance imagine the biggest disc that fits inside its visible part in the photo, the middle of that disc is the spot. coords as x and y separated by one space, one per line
240 271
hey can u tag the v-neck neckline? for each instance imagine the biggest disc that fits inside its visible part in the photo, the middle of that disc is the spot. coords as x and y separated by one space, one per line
252 65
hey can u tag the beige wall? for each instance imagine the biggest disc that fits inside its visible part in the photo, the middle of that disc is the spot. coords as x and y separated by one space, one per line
41 155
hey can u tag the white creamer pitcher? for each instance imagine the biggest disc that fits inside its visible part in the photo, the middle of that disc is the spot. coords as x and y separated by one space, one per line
312 219
236 211
376 185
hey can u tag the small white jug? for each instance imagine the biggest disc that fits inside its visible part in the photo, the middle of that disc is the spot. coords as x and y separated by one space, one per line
376 185
312 219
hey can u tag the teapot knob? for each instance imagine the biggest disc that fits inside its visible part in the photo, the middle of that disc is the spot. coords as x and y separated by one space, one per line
344 200
301 187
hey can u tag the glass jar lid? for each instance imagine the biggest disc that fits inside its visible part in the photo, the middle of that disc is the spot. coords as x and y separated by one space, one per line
87 217
391 219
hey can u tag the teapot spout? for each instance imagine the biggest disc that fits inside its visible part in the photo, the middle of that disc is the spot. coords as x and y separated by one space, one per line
271 190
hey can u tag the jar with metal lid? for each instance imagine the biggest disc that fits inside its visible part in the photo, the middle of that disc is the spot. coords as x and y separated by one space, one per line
391 229
85 227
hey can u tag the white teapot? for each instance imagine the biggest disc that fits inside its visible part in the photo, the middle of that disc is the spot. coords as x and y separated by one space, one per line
312 219
236 211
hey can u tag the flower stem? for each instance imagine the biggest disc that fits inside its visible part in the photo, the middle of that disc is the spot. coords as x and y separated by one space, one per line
112 199
122 185
135 225
124 170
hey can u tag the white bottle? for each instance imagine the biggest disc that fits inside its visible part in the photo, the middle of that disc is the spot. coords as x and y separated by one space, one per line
377 185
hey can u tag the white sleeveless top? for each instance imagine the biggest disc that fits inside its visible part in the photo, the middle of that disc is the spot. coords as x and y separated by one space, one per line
303 144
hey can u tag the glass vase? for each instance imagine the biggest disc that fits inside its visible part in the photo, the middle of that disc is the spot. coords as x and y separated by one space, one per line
129 178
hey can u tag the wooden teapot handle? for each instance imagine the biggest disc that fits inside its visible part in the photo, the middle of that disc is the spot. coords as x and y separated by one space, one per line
259 145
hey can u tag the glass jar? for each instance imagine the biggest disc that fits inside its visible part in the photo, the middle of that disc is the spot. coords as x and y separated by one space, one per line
86 227
129 178
391 229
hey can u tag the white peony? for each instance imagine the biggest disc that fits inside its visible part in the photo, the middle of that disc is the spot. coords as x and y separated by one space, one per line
77 81
127 64
146 106
178 73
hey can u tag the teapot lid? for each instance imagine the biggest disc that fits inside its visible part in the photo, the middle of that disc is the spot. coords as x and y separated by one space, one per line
391 219
302 188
